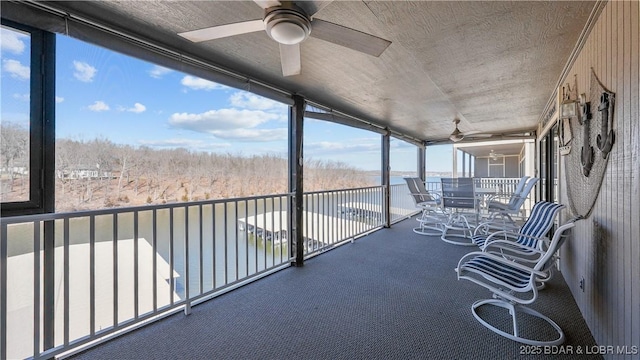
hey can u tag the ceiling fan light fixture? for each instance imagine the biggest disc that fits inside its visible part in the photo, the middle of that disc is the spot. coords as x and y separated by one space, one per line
456 135
287 33
287 26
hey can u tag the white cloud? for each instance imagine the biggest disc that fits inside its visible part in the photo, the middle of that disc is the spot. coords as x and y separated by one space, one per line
83 71
184 143
222 119
59 99
253 135
16 69
137 108
158 71
197 83
251 101
12 41
327 147
99 106
21 97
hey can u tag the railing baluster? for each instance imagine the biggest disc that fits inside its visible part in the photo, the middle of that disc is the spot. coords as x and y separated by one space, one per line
281 241
154 261
115 269
36 288
65 272
235 221
201 249
226 251
246 235
3 294
92 275
264 231
255 232
213 252
187 279
172 284
136 292
273 232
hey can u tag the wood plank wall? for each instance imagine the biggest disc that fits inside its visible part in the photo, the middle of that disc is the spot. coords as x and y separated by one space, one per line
605 249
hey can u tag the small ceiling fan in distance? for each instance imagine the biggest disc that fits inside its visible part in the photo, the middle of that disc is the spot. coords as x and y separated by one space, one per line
494 156
290 23
458 135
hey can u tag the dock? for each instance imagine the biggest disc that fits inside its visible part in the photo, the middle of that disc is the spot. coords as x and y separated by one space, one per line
319 230
368 210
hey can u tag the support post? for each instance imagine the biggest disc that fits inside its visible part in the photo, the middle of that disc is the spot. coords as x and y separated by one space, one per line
464 165
454 170
386 178
48 186
421 166
296 237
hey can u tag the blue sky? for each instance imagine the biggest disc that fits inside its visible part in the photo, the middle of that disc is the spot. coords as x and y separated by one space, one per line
101 93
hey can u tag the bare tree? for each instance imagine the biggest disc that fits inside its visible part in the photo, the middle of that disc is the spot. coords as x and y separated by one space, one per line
14 150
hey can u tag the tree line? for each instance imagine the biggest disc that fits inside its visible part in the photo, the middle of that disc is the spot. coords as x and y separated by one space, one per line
99 173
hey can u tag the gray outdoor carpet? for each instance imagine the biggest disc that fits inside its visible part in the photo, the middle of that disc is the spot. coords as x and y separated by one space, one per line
390 295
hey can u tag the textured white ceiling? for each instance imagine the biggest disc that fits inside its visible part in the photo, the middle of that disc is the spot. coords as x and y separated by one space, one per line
493 64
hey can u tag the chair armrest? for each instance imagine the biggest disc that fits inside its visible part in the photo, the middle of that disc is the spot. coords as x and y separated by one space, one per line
514 236
499 259
513 251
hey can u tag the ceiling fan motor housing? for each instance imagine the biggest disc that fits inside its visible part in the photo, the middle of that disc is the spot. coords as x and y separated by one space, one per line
288 25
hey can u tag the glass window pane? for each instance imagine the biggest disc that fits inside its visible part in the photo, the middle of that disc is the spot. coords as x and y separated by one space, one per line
339 157
403 159
131 133
15 115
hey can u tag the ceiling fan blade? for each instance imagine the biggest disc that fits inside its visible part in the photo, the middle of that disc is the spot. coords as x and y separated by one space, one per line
477 133
265 4
221 31
312 7
290 59
347 37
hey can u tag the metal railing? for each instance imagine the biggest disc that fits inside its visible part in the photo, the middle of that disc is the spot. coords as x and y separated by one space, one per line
334 217
112 270
505 186
402 204
115 268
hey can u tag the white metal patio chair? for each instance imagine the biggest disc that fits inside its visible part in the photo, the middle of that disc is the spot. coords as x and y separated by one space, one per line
432 217
529 243
532 231
500 213
461 203
513 286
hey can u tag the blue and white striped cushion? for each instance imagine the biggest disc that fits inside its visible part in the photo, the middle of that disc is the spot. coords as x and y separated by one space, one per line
539 222
494 270
479 240
537 225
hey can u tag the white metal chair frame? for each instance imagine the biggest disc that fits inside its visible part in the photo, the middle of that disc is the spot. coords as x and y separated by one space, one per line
432 217
500 213
459 200
513 285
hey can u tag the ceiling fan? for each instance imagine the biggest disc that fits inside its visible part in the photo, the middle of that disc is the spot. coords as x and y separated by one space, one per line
494 156
458 135
290 23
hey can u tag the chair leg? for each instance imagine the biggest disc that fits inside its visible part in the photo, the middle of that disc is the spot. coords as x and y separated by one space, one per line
431 223
457 231
513 310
